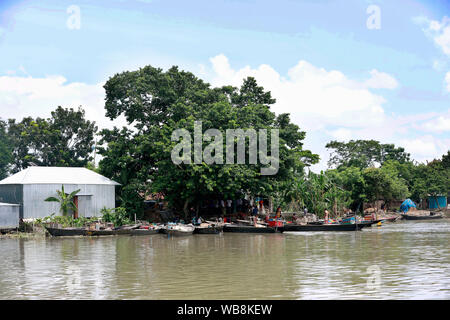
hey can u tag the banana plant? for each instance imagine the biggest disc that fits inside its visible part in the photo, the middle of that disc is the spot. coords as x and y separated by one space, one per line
65 200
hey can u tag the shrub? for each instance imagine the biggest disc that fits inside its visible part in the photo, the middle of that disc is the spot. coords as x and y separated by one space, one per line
118 216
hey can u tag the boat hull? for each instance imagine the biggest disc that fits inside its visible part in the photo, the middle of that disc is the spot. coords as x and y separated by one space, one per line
410 217
144 232
208 230
66 232
71 232
324 227
176 233
250 229
365 224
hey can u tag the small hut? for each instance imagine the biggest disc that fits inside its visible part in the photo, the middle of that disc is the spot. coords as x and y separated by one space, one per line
9 216
30 187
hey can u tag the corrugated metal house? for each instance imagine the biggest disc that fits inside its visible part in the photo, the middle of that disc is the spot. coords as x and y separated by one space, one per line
30 187
441 200
9 216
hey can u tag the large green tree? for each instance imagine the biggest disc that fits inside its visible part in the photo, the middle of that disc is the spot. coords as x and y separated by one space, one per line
157 103
363 153
5 151
64 139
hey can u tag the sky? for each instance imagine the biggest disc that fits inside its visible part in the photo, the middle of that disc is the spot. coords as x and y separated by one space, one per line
343 69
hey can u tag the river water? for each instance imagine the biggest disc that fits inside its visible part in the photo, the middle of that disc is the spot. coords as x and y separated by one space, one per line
402 260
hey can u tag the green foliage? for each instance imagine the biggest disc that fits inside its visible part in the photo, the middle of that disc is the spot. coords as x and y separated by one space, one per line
316 192
384 183
5 151
157 103
66 221
65 200
65 139
118 216
364 153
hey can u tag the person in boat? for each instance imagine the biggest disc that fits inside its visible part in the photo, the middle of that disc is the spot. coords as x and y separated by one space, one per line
294 218
326 216
199 220
255 214
192 212
278 213
305 211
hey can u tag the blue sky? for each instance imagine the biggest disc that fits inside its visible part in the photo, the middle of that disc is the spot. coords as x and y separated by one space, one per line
338 78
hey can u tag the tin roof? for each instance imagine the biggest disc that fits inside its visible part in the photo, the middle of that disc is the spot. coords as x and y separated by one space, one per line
57 175
9 204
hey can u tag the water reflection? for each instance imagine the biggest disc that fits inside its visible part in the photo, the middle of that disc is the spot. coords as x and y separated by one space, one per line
412 258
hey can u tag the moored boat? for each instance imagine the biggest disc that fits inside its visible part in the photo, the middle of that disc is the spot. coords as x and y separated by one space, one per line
208 229
177 230
368 223
70 232
250 228
323 227
66 232
418 217
144 232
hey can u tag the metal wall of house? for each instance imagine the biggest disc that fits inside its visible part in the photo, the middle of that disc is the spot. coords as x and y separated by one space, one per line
441 200
9 216
89 206
12 193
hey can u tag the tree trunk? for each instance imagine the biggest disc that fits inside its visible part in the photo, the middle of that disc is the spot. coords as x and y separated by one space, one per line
270 204
437 202
185 209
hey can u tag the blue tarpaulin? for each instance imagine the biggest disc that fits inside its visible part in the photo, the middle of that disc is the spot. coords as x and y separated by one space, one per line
408 203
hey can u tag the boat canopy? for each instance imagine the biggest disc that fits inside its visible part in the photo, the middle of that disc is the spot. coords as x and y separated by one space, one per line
406 205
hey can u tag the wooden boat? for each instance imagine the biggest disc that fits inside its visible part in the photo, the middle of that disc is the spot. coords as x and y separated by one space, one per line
323 227
144 232
66 232
315 223
178 230
250 229
210 229
429 217
391 219
368 223
70 232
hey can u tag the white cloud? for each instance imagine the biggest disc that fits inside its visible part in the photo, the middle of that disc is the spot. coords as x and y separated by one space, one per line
313 96
426 148
447 81
438 124
381 80
342 134
37 97
331 106
439 31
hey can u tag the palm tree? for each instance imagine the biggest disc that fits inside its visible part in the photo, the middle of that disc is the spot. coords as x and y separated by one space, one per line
65 200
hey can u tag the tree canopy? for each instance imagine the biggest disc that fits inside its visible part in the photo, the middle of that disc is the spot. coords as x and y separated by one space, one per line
64 139
157 103
364 153
5 150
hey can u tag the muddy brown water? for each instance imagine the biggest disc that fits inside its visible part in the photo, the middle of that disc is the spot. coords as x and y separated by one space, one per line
402 260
